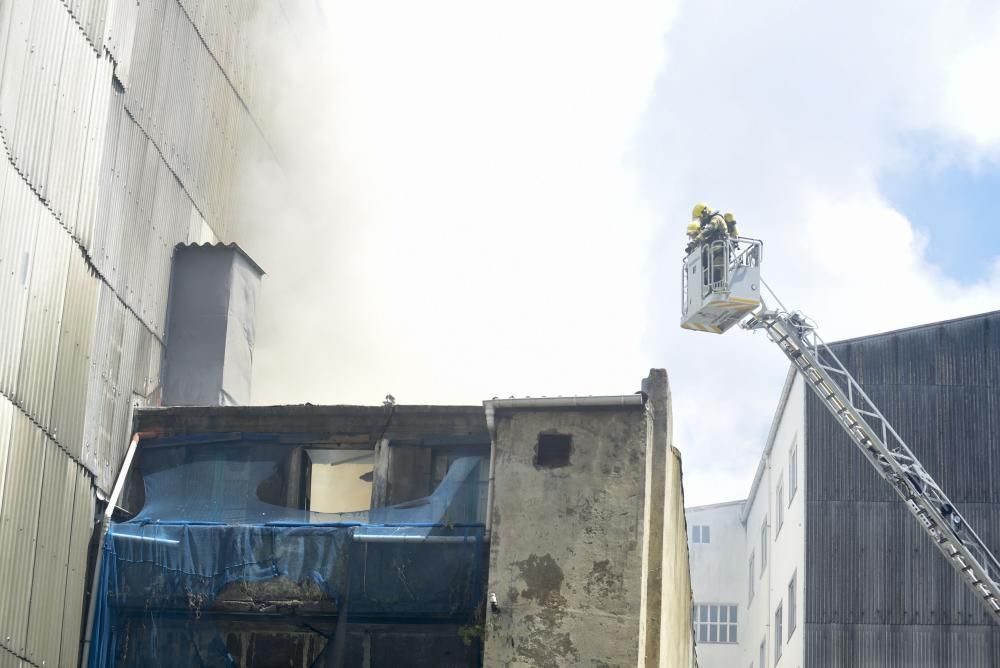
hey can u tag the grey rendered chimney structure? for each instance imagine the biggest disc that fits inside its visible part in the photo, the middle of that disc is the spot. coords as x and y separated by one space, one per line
210 326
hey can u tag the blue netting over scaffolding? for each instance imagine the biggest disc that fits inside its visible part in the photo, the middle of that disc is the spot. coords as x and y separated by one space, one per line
207 557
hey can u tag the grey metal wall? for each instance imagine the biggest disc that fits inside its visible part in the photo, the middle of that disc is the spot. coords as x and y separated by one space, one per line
121 124
877 592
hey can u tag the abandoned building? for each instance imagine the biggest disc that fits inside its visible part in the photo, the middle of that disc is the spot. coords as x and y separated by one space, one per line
822 565
531 532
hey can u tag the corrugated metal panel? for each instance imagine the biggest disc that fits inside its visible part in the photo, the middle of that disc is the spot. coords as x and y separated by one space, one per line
185 104
53 109
19 212
91 16
48 590
69 398
142 214
122 24
120 362
8 660
39 348
6 418
836 646
878 591
18 529
102 390
82 530
226 30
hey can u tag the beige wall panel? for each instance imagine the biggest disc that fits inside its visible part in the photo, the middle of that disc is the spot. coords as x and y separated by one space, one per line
39 347
18 530
48 584
19 211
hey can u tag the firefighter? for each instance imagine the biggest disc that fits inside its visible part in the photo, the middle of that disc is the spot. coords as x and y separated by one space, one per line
731 224
712 227
692 232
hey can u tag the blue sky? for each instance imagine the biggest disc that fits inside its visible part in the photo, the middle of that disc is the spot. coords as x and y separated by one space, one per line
957 205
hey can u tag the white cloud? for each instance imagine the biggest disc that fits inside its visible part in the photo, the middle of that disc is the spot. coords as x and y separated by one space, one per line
798 111
489 200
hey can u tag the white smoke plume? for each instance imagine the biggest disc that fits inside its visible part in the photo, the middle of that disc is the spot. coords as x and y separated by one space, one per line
484 200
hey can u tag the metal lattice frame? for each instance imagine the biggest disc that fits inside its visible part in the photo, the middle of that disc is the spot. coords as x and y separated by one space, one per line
885 450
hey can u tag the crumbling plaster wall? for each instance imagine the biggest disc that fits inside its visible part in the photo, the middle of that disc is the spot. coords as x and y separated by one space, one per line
566 558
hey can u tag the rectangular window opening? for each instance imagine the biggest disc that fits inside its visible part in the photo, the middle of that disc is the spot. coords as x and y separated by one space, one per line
778 637
553 450
791 606
715 623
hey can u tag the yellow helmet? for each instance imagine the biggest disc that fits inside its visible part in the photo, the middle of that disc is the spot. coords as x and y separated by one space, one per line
693 229
730 218
698 209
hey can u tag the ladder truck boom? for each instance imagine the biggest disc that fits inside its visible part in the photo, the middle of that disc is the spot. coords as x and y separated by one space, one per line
722 288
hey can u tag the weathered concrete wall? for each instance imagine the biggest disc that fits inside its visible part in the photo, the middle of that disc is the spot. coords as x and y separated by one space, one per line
566 551
676 639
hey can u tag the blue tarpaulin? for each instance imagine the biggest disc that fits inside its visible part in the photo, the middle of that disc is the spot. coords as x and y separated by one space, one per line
206 533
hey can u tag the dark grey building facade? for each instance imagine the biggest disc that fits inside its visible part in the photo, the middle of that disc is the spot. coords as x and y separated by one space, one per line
877 591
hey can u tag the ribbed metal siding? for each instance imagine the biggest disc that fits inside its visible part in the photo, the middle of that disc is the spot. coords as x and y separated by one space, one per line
52 111
49 265
69 396
19 211
184 103
122 23
48 585
119 378
19 529
142 213
82 528
871 574
91 16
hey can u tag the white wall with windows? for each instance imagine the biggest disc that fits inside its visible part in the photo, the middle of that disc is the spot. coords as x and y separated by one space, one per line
715 534
775 527
748 558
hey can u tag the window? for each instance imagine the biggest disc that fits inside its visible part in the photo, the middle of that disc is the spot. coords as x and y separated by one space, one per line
763 546
700 533
780 507
763 653
753 576
793 469
715 623
778 638
553 450
791 606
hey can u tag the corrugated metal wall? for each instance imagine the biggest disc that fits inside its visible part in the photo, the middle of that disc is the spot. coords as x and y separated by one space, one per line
877 592
121 121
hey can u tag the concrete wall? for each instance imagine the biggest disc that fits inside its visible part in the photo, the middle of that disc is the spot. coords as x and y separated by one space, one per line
589 560
566 550
718 573
676 641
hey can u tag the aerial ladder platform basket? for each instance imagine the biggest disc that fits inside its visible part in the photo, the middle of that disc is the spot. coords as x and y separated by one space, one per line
721 287
720 284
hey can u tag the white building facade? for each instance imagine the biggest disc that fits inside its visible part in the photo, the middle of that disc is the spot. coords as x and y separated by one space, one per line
749 555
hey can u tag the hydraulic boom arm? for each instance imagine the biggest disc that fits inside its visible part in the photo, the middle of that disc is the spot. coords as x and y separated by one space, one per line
884 449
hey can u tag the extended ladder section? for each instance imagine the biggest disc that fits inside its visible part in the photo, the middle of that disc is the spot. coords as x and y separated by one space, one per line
884 449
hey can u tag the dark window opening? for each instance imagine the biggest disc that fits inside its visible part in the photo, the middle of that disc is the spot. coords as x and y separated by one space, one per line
553 450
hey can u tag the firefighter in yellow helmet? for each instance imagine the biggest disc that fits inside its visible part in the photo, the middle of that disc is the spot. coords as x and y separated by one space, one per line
712 226
731 224
692 233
